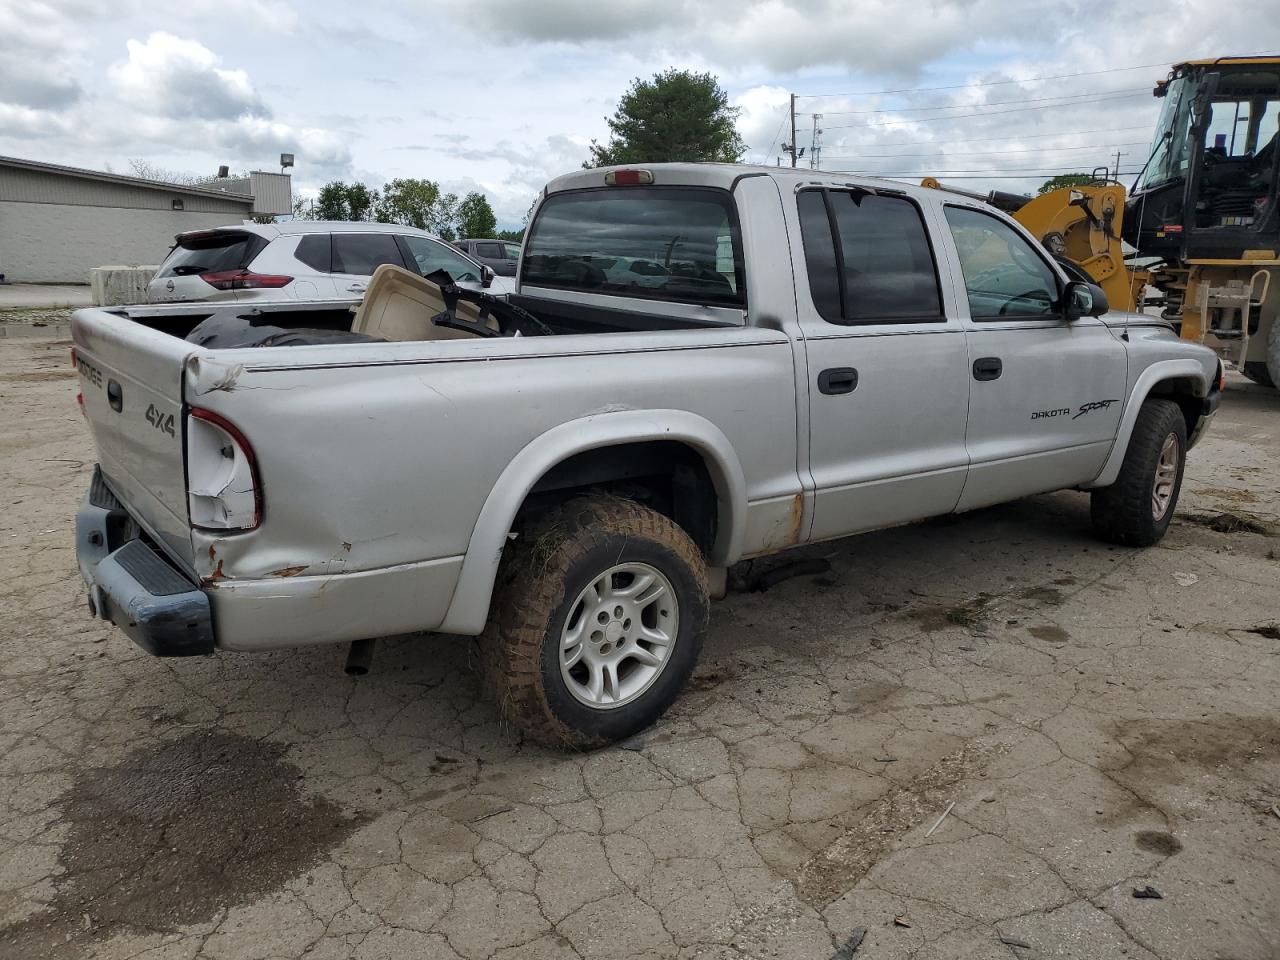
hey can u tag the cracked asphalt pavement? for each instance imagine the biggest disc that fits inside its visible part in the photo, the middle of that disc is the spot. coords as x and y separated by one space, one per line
1092 721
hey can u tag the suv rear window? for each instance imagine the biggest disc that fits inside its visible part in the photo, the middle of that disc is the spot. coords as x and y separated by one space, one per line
209 253
665 243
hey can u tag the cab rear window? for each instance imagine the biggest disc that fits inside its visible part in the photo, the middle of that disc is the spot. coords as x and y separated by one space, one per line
663 243
210 253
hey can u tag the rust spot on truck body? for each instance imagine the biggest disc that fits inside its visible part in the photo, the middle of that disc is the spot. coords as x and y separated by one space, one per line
211 581
288 571
795 517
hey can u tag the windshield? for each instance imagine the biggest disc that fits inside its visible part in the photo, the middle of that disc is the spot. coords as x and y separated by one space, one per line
1169 150
670 243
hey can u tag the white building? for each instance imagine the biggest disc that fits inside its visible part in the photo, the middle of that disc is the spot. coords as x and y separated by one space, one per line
57 223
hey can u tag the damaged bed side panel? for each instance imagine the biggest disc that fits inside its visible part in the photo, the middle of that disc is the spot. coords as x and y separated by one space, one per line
367 467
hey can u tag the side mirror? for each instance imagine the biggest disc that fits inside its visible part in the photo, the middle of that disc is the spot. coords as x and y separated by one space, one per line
1080 299
486 275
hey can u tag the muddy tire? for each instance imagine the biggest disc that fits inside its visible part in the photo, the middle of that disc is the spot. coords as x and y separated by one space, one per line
597 622
1136 510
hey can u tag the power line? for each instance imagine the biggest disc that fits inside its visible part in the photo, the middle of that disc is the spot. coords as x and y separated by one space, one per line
987 83
993 103
988 153
1029 136
988 113
943 174
1004 171
776 135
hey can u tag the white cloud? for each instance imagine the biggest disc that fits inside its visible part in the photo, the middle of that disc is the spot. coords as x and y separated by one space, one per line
36 57
882 36
173 77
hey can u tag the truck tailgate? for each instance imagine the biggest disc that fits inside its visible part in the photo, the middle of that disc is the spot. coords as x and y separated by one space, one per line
131 378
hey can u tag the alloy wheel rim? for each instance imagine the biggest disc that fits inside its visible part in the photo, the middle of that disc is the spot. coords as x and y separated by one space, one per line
619 635
1166 476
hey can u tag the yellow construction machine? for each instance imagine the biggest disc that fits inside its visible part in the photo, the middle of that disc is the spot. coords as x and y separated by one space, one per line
1199 235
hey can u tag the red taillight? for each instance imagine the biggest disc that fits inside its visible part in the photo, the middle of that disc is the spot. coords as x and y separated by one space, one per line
224 491
628 178
244 280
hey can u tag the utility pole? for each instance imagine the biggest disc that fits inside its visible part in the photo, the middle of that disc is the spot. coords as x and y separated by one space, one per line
793 130
1116 175
815 144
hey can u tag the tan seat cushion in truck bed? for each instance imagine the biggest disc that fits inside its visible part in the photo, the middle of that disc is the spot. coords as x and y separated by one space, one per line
400 305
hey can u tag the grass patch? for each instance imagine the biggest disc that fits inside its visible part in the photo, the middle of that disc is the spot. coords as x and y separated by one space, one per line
971 613
1229 523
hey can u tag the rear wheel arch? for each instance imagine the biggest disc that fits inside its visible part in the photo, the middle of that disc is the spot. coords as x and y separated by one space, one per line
562 462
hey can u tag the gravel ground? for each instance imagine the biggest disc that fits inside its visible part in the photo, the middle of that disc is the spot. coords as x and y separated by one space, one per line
1096 720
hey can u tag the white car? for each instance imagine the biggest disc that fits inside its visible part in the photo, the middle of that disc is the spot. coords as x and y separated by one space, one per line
305 260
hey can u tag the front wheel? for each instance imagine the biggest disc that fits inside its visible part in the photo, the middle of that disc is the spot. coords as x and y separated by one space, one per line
1136 510
597 622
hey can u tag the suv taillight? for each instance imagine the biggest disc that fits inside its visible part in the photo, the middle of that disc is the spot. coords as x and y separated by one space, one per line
244 280
223 489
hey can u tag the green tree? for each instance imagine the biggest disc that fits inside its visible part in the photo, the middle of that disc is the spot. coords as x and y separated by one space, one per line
418 203
1065 180
475 217
344 201
678 115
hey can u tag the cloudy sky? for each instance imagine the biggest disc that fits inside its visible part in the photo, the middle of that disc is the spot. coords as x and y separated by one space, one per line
502 95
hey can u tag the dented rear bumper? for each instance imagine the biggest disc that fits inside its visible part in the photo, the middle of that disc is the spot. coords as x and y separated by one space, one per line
132 585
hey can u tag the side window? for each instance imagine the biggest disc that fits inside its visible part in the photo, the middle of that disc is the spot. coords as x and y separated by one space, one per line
430 255
820 255
1003 275
493 251
313 250
363 253
868 258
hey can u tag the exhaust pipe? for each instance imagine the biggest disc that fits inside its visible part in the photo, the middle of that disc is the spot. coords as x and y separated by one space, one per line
359 657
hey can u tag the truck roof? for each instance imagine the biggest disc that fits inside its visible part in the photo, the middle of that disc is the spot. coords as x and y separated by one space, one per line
724 175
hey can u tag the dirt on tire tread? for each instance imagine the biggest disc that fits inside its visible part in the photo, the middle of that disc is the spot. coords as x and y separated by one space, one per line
531 587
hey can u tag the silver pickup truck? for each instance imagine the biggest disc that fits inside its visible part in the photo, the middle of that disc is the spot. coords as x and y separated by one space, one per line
722 362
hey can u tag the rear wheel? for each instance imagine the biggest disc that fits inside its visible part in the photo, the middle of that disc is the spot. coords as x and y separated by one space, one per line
597 622
1136 510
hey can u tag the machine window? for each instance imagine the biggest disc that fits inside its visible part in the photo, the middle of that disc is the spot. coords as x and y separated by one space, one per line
1003 276
868 258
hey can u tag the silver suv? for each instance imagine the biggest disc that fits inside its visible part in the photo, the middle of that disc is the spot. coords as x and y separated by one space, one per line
304 260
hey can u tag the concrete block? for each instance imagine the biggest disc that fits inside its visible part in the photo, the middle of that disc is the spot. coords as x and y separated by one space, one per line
113 286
